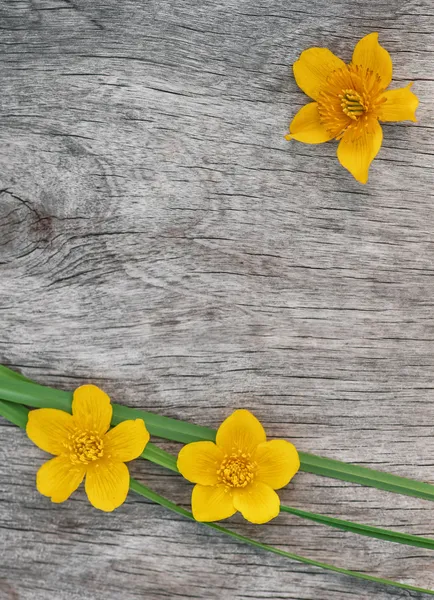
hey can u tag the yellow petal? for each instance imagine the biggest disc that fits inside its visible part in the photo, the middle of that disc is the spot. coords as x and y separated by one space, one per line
400 105
306 126
240 431
312 69
278 462
107 484
91 409
199 462
257 502
49 429
58 478
357 154
212 503
126 441
369 54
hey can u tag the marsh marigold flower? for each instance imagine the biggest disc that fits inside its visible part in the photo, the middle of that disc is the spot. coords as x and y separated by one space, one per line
350 100
84 447
239 472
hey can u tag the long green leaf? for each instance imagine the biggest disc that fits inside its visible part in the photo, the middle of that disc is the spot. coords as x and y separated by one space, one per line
150 495
39 396
378 533
160 457
33 394
327 467
8 373
17 414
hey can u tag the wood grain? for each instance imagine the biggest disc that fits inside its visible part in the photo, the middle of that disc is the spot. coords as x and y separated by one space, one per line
160 238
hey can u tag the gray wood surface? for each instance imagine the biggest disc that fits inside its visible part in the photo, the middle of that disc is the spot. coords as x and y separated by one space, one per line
160 238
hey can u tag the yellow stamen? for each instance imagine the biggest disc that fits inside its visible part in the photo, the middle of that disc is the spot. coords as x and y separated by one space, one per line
352 104
350 101
237 469
85 447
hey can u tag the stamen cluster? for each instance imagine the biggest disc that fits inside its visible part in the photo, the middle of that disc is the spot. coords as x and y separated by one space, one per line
237 469
85 447
350 101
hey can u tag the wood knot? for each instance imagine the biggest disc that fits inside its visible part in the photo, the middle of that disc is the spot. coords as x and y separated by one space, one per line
43 228
22 223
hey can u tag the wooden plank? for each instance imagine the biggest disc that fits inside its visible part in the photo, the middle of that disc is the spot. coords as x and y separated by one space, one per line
160 238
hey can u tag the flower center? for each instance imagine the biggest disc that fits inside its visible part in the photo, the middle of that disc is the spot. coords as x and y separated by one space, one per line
350 101
352 104
85 447
237 469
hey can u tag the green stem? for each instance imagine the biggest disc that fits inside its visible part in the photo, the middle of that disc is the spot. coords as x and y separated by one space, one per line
15 389
154 497
18 415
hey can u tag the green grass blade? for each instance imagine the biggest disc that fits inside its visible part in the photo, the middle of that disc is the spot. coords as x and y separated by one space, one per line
7 373
378 533
17 414
150 495
38 396
327 467
160 457
33 394
164 427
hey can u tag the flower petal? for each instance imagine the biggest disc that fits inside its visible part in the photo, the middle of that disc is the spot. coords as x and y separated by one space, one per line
107 484
356 154
126 441
212 503
199 462
306 126
91 409
312 69
257 502
58 478
49 429
240 431
278 462
369 54
400 105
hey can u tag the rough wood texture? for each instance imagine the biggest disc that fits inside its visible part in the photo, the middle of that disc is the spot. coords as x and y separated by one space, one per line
160 238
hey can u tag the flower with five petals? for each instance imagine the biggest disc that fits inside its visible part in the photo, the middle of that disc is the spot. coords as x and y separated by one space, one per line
239 472
83 447
350 100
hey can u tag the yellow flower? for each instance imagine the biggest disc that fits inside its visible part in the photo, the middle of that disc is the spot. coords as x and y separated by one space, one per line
239 472
83 446
349 102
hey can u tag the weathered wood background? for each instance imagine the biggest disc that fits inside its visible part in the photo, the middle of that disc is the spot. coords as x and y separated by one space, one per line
160 238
